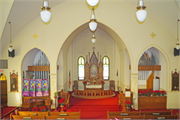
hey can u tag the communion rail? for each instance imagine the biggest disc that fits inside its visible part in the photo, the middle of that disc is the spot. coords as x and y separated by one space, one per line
91 94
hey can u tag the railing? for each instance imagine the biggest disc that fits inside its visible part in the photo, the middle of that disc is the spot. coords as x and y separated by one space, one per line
93 92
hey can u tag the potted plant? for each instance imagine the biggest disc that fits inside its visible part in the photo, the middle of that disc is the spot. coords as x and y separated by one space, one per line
43 109
163 93
34 109
61 102
128 104
102 82
84 82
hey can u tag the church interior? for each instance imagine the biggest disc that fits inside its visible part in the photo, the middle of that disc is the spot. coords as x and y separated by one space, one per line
90 59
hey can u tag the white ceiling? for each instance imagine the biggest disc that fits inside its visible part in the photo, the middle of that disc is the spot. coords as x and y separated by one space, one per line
165 12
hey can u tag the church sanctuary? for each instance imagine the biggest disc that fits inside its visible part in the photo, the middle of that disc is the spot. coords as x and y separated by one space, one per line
90 59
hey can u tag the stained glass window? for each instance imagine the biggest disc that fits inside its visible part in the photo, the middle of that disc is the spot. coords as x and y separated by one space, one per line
81 68
106 68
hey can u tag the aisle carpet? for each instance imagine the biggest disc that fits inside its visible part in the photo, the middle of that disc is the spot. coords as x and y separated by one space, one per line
94 108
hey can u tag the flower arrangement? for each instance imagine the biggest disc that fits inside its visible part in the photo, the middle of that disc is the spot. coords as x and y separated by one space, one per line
128 104
102 82
61 101
55 95
84 82
151 93
35 109
163 93
43 109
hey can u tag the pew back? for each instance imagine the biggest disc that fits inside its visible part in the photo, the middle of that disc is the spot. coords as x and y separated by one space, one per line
64 113
32 113
18 117
135 113
128 117
169 112
62 117
161 117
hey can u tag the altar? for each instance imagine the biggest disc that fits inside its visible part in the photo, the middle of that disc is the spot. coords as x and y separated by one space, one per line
94 87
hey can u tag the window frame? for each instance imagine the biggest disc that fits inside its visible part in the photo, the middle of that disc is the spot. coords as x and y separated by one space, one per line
108 67
78 67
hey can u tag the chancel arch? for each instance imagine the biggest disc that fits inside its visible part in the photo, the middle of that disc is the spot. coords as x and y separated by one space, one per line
78 43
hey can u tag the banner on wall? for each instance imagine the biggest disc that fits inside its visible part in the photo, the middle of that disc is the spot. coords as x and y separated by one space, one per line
45 87
25 87
32 88
38 87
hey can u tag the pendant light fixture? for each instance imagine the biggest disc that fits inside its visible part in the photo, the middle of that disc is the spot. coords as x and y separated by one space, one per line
177 48
93 39
45 13
11 51
93 22
92 2
141 12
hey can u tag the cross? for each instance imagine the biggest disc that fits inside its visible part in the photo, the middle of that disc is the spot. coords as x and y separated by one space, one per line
93 48
35 36
175 70
13 71
153 35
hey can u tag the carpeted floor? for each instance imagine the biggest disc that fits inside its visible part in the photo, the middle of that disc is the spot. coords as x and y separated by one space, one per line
94 108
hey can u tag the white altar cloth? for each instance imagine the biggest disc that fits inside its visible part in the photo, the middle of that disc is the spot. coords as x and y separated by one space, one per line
93 86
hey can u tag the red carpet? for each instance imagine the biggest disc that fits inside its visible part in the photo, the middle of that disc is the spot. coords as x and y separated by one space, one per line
94 108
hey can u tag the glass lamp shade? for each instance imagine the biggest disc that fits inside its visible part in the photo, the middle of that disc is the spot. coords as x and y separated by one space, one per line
93 39
92 2
10 48
141 15
177 45
45 15
93 26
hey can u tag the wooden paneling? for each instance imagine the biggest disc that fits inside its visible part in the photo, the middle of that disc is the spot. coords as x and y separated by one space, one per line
3 92
27 98
38 68
148 68
152 102
149 84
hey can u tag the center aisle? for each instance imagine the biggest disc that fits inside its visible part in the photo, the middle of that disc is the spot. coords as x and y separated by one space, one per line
94 108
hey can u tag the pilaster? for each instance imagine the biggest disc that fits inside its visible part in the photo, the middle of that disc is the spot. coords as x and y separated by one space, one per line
53 89
134 89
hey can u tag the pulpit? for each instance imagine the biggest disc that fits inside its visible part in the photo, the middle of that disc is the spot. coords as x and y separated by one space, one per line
48 103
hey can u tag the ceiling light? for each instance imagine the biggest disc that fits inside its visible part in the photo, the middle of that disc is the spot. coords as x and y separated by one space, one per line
45 13
141 13
177 48
93 22
92 2
93 39
11 51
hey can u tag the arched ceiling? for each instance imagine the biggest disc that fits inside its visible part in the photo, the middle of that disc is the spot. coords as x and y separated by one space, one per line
23 12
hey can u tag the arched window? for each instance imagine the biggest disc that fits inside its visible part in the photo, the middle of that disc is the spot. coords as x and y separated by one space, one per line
105 68
81 68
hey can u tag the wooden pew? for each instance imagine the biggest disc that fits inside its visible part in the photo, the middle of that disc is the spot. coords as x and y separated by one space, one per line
32 113
162 116
65 113
169 112
18 117
129 117
135 113
63 117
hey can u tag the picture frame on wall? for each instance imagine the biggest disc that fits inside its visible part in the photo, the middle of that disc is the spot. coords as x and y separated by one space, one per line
13 82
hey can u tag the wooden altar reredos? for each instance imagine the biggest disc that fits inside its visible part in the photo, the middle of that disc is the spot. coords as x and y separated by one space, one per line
93 69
